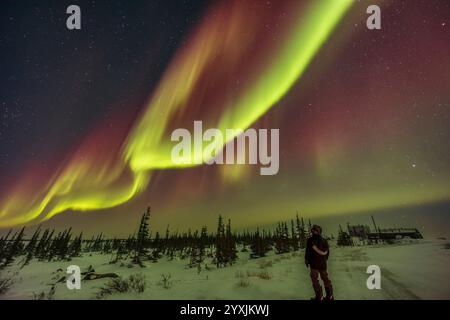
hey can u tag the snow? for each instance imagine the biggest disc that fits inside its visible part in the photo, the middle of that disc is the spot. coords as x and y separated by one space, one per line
415 270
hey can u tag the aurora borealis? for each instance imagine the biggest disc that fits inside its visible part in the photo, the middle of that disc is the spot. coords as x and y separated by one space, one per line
363 115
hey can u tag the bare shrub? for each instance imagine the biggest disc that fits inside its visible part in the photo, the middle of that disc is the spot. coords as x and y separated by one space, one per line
45 296
137 282
134 283
243 283
5 283
165 282
264 275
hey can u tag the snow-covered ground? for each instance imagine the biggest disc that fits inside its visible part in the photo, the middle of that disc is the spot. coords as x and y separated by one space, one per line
417 270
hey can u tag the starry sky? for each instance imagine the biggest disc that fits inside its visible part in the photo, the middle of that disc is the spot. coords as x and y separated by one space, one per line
86 115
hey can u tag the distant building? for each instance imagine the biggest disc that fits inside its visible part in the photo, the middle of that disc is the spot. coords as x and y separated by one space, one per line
393 234
363 232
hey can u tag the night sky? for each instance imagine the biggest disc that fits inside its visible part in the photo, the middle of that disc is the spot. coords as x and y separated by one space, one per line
86 115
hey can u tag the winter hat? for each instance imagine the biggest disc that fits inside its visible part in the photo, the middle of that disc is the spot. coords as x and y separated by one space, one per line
316 228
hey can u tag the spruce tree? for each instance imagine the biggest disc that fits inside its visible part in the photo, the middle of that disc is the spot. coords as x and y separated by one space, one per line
231 252
300 225
156 254
31 247
294 237
221 258
167 240
13 249
203 243
195 255
309 228
259 246
41 248
281 239
142 238
75 246
3 245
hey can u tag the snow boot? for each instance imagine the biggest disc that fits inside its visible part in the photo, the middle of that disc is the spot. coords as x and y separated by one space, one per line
329 294
319 294
317 298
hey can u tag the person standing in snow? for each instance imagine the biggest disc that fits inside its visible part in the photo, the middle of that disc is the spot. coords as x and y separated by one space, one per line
316 256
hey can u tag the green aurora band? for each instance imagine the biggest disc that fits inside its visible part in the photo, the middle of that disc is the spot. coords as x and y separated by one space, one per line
82 186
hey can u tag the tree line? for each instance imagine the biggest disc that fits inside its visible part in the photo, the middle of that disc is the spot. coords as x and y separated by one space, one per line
221 246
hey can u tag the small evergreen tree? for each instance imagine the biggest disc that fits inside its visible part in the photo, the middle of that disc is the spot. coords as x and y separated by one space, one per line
31 247
309 228
13 248
203 243
157 247
301 232
281 239
231 251
75 246
259 246
142 238
195 254
3 245
294 237
221 254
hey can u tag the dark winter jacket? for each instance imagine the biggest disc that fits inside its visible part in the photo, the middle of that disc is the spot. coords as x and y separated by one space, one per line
314 259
